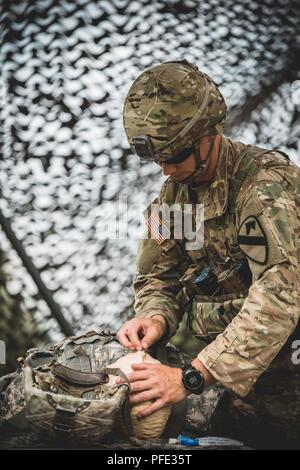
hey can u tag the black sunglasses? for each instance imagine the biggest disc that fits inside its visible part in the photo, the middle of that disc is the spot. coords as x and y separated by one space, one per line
144 149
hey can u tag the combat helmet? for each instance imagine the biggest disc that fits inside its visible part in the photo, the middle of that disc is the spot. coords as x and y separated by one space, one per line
169 108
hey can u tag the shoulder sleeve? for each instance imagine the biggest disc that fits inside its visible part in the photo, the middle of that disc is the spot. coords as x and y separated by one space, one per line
267 217
269 228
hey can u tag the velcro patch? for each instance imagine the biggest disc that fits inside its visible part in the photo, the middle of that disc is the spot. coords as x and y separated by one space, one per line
253 240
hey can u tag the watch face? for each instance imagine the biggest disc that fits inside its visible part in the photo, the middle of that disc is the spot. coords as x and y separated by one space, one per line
193 380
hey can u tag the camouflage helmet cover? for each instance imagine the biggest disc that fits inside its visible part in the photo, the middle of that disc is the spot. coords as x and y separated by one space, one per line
174 104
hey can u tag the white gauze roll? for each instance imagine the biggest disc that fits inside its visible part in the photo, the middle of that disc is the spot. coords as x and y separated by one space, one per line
151 426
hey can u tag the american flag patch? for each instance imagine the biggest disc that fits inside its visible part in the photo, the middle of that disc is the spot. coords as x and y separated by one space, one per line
157 229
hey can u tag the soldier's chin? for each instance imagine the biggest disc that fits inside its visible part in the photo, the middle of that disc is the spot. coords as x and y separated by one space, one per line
186 178
181 177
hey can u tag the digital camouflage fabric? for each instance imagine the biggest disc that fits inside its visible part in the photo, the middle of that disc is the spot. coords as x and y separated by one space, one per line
175 105
75 405
63 393
251 247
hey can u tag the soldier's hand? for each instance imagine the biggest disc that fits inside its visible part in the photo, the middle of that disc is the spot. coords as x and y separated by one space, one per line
157 383
141 333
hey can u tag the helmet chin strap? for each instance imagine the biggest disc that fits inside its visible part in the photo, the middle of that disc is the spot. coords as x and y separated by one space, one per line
200 164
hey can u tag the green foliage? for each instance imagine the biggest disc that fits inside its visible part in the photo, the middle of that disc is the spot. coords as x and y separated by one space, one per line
18 329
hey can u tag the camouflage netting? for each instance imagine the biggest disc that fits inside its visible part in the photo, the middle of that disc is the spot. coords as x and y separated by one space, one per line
65 69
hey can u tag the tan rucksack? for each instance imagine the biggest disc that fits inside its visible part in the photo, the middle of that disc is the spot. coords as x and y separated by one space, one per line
64 392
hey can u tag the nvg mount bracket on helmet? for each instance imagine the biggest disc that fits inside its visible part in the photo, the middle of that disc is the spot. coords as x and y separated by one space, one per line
144 149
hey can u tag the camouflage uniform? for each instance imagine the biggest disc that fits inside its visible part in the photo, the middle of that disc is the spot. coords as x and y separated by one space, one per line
248 327
240 289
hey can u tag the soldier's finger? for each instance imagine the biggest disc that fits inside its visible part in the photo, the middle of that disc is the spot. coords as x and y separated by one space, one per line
151 335
133 337
124 340
136 376
141 386
142 366
157 405
142 396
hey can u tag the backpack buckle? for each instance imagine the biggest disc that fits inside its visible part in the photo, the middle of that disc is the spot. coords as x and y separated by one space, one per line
63 421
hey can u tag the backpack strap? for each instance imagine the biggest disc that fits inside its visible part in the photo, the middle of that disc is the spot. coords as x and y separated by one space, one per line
77 377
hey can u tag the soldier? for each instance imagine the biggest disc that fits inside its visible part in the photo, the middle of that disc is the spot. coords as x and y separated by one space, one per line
241 288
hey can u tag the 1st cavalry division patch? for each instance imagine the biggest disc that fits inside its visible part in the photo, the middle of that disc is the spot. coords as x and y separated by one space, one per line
252 240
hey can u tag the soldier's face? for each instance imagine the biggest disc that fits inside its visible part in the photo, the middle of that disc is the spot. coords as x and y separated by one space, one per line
180 171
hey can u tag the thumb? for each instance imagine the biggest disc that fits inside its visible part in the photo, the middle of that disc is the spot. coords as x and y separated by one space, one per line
150 337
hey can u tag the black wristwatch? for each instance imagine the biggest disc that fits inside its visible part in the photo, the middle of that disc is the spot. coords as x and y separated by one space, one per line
192 379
